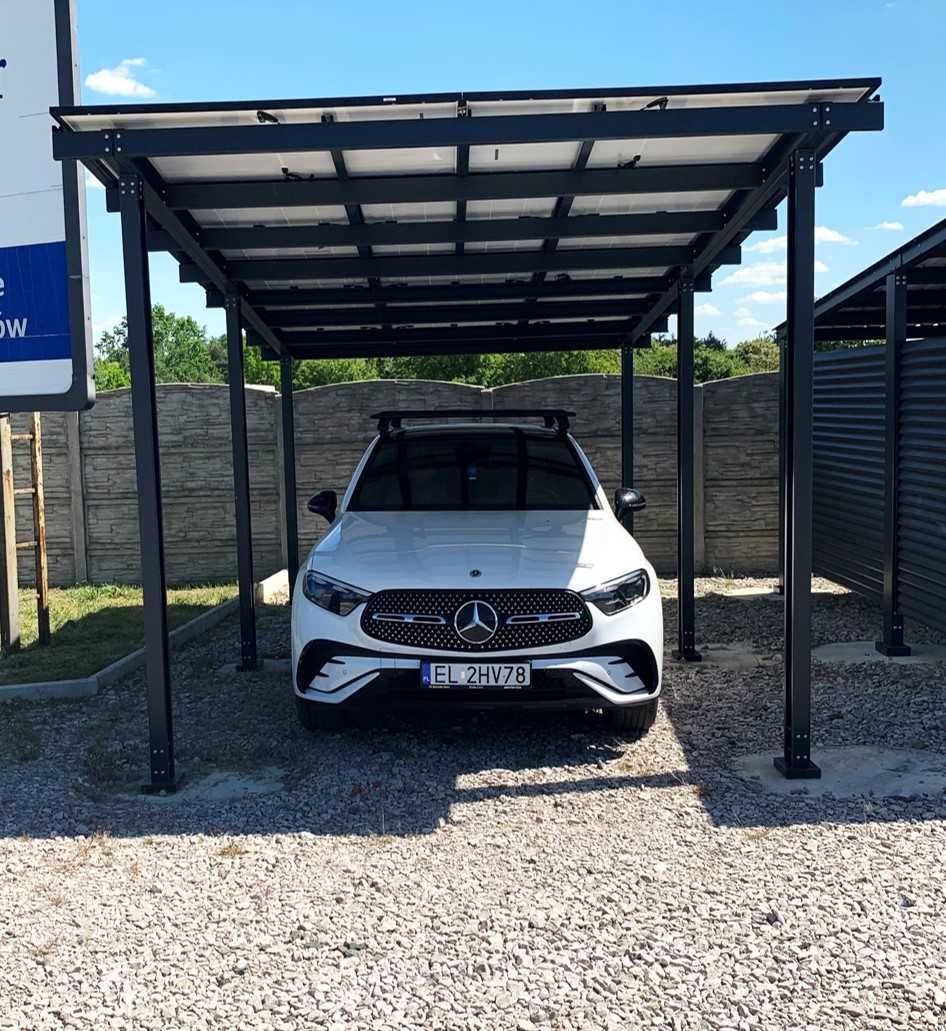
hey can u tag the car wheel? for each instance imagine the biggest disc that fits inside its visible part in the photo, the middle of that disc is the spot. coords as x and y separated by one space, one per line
317 716
634 719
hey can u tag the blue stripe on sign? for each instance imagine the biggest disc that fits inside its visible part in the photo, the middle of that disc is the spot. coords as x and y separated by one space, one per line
34 303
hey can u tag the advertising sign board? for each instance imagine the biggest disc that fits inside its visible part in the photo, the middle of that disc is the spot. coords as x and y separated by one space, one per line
45 337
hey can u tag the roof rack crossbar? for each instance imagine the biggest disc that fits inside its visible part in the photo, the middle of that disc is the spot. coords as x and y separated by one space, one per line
554 418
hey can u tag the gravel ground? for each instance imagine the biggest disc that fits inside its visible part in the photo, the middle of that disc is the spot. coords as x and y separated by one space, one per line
486 872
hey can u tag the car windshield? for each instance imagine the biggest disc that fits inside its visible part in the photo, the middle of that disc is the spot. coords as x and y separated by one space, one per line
489 470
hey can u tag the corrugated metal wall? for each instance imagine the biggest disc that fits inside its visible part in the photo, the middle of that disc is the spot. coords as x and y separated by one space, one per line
848 519
922 486
848 440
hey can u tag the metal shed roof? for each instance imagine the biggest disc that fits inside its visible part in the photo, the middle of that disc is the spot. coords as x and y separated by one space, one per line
856 310
462 221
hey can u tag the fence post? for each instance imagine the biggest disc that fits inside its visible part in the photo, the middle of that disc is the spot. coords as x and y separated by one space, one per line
896 318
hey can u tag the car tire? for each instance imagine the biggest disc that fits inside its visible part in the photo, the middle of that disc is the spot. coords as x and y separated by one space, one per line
318 716
634 719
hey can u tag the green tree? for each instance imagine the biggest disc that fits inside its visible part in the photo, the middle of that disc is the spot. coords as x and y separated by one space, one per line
182 351
758 355
111 375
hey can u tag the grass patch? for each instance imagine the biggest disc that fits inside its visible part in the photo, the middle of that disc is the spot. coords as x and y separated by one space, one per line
93 626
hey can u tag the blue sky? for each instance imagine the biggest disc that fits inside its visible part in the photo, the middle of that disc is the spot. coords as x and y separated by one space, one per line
183 51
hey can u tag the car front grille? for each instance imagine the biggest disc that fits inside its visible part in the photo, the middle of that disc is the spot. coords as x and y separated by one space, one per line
524 619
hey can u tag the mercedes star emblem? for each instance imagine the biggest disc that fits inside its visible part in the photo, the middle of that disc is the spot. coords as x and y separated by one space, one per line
476 622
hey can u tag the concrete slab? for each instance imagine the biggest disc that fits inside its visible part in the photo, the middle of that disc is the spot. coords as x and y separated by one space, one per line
751 593
855 771
222 786
864 651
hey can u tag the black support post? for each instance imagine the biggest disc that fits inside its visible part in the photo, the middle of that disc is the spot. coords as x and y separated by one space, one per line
627 424
892 642
241 482
289 470
686 552
148 472
781 463
795 762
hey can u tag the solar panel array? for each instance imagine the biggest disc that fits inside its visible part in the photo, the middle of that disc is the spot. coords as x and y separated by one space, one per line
557 241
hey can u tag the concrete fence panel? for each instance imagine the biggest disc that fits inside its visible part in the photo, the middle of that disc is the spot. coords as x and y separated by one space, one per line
91 493
740 443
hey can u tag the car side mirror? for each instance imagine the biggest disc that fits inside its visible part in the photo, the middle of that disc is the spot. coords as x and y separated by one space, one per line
627 500
325 503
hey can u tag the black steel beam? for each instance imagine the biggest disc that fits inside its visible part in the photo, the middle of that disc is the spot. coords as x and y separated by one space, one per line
392 347
241 483
289 470
795 760
418 265
182 231
398 234
921 305
821 136
563 204
403 315
426 189
456 292
469 334
686 508
928 244
490 130
892 642
148 477
463 170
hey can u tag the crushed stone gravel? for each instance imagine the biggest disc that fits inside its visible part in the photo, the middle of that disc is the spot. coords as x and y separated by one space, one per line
506 871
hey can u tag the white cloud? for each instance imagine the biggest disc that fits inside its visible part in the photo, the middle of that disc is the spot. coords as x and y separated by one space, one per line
778 244
825 235
120 81
770 246
891 227
925 199
764 297
707 309
747 320
765 273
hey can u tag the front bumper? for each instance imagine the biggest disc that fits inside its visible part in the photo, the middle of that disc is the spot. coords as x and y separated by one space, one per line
617 663
336 674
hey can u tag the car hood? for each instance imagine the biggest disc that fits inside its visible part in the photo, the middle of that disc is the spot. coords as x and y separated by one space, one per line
379 550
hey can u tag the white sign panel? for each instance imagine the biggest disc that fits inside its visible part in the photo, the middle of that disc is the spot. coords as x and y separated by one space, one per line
38 366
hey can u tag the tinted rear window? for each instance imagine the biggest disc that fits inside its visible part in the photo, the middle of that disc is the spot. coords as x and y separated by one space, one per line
513 470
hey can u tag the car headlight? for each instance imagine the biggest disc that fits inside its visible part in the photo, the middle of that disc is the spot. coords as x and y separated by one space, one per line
333 595
617 595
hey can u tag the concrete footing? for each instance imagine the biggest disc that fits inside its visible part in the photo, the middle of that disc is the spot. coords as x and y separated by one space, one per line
865 651
855 771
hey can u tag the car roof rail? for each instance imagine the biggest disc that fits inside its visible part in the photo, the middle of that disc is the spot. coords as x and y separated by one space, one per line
554 418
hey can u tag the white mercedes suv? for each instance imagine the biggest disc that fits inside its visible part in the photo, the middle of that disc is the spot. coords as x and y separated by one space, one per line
476 563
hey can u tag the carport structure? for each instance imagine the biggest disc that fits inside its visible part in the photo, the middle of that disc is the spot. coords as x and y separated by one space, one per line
468 222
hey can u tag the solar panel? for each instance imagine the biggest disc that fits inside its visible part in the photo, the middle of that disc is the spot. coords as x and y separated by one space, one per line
477 202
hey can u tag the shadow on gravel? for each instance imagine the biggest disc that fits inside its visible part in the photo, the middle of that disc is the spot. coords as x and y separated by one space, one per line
74 768
719 715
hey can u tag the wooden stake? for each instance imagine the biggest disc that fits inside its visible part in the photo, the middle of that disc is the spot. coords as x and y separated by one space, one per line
39 531
9 583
